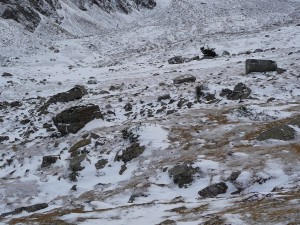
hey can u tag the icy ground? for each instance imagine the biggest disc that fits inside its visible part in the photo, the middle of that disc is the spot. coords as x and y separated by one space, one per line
130 65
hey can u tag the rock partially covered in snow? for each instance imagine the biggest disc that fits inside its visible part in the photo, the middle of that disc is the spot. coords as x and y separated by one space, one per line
187 78
240 91
73 119
183 174
213 190
259 65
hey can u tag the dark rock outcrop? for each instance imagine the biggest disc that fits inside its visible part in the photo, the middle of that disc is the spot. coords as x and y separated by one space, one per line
73 94
29 209
5 74
259 65
213 190
187 78
131 153
240 91
75 118
48 160
101 164
183 174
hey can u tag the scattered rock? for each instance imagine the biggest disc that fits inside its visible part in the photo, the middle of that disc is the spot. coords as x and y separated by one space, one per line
282 132
213 190
101 164
5 74
177 60
131 152
208 52
48 160
80 144
184 79
167 222
240 91
234 175
73 94
134 196
29 209
3 138
183 174
128 107
163 97
123 168
15 104
258 50
225 53
259 65
75 118
74 188
280 70
75 163
25 121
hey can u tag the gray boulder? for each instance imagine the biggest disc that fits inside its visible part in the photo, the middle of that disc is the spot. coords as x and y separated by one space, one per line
131 152
187 78
282 132
48 160
213 190
183 174
259 65
177 60
240 91
75 118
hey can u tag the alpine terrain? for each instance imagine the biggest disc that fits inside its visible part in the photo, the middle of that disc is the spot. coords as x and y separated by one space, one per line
155 112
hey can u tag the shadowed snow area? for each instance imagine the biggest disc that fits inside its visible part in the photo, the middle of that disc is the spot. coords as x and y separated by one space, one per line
132 146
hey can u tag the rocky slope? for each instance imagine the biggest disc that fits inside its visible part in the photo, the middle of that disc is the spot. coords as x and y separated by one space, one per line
138 124
30 13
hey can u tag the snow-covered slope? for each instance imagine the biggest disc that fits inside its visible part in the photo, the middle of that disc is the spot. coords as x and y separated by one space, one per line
121 169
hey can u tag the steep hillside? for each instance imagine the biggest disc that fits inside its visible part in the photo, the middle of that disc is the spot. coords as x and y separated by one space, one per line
185 114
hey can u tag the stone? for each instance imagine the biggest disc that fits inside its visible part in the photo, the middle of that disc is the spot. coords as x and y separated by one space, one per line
234 175
187 78
163 97
5 74
240 91
29 209
167 222
183 174
213 190
3 138
48 160
176 60
101 164
131 152
225 53
71 95
80 144
75 118
259 65
75 163
128 107
280 70
208 52
281 132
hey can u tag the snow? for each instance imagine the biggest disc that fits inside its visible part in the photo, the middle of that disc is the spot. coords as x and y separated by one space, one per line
131 52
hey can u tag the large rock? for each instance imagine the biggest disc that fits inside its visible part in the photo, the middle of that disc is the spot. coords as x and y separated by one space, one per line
282 132
213 190
75 118
240 91
31 208
48 160
183 174
176 60
73 94
259 65
187 78
131 152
